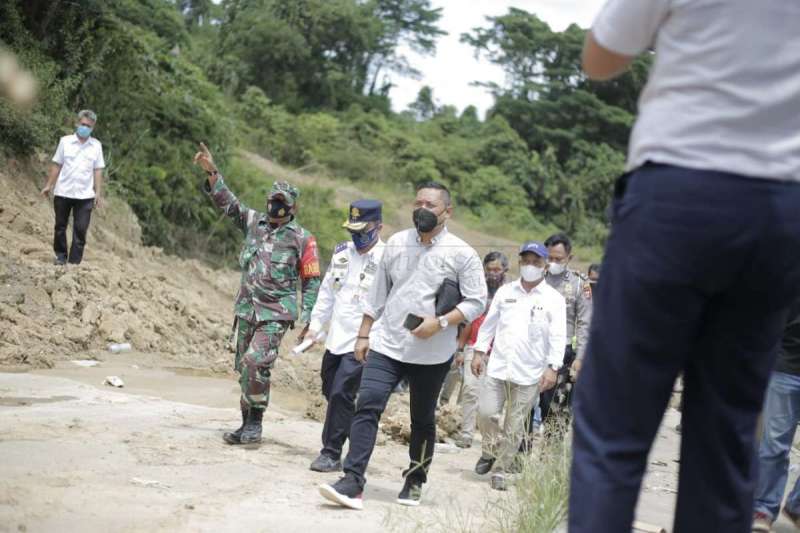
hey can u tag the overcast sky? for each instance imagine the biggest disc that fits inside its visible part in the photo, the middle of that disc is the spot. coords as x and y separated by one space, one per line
454 67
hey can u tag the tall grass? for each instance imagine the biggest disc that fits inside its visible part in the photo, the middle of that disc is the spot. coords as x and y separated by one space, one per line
537 502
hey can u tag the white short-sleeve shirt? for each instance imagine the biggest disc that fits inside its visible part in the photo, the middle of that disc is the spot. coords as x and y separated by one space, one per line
78 162
724 89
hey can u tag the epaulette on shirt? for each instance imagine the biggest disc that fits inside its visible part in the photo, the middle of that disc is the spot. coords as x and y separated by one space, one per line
578 274
342 246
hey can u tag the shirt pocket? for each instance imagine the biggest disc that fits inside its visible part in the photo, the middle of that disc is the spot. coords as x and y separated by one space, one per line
86 161
283 267
70 153
538 323
246 255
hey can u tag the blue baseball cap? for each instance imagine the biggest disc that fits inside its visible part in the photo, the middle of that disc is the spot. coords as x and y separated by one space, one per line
534 247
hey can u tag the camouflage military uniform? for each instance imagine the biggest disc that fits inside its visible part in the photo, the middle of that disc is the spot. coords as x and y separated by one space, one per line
272 260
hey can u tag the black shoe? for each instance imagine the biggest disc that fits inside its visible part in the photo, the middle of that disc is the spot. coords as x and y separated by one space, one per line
484 466
411 493
464 442
346 492
251 433
235 437
498 482
323 463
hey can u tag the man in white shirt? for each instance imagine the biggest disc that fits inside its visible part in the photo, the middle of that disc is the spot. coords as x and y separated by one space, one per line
415 339
350 274
77 175
701 266
527 321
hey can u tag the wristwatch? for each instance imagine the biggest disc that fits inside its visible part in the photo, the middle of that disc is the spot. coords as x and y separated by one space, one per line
554 368
443 323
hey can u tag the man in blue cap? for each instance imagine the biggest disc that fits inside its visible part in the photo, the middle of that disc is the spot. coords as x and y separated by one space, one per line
347 282
526 328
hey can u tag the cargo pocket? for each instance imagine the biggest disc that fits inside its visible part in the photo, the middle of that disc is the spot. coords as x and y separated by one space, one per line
283 267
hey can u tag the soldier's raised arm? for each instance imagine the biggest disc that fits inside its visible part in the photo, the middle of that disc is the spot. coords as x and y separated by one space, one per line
219 193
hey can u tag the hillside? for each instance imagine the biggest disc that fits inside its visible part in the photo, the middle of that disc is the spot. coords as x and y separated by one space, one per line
127 292
398 205
123 291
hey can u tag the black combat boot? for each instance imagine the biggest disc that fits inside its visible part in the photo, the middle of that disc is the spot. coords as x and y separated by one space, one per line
235 437
251 434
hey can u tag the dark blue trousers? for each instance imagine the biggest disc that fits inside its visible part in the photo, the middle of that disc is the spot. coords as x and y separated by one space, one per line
341 375
381 376
699 272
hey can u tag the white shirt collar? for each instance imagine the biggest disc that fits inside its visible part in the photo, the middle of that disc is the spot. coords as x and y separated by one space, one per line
517 284
75 140
439 236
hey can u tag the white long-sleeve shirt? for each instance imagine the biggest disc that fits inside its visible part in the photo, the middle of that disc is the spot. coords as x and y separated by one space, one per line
407 281
529 330
345 286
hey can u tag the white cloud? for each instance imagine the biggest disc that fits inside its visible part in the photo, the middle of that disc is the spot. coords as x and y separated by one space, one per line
454 67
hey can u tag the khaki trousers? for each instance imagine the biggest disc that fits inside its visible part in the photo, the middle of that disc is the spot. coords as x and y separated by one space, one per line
502 442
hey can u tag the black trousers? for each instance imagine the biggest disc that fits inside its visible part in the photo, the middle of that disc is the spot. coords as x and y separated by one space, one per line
546 398
699 272
341 376
81 214
381 375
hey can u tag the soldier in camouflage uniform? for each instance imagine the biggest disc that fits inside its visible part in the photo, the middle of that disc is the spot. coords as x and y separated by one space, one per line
277 253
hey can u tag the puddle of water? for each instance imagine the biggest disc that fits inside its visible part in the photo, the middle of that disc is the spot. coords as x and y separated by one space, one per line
15 369
16 401
194 372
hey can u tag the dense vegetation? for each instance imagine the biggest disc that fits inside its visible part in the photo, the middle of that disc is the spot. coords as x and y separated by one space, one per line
305 82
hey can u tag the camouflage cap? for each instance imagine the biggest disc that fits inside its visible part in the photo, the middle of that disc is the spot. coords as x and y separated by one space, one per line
285 190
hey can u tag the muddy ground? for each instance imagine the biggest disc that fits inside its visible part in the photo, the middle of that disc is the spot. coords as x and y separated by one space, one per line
81 456
77 455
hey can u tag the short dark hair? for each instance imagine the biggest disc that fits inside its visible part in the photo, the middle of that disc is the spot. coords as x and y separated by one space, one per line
496 256
439 187
559 238
594 267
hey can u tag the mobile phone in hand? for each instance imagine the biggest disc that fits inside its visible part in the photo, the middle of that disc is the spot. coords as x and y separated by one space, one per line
412 321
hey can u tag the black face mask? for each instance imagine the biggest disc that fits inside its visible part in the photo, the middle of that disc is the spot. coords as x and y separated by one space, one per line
494 281
277 208
425 220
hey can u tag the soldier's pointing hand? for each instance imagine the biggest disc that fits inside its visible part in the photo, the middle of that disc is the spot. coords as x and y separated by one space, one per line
204 159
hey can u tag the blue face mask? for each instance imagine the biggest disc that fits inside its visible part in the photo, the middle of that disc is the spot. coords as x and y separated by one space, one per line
83 131
363 239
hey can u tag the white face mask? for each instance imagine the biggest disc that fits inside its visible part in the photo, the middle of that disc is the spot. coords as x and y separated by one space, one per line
557 268
531 273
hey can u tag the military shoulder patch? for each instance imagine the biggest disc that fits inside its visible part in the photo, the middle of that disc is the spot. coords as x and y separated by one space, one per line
340 247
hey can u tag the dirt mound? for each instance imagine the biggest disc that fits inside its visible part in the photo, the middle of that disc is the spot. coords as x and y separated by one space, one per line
122 292
126 292
396 420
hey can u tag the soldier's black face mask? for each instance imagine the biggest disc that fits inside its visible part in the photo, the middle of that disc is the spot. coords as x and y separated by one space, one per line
277 208
425 220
